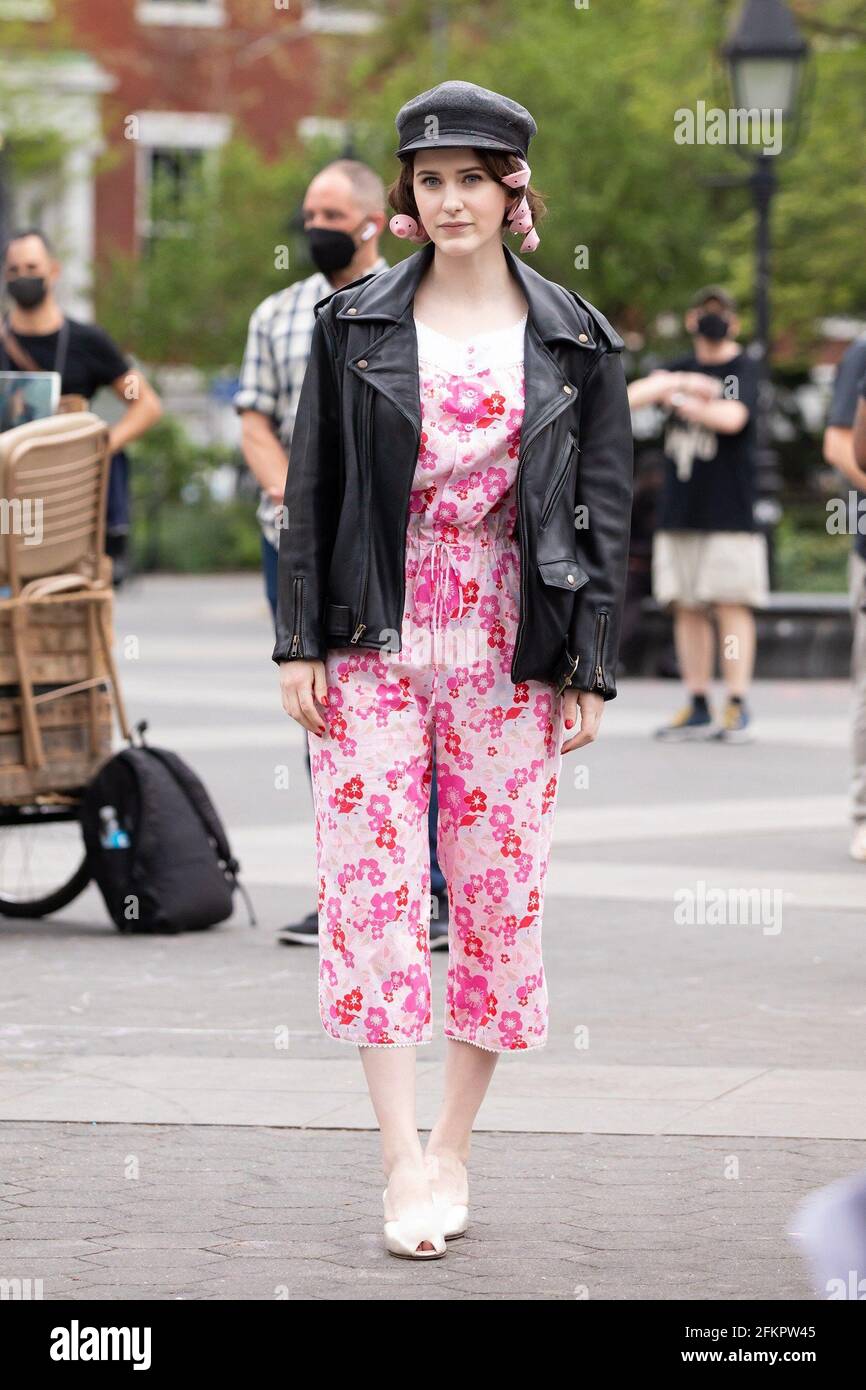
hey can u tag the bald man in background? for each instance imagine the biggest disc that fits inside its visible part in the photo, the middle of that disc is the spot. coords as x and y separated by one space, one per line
344 216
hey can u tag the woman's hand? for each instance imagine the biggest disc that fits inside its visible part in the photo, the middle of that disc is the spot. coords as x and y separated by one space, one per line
591 707
300 683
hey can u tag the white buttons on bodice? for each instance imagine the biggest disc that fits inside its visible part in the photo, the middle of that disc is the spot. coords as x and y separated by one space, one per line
500 347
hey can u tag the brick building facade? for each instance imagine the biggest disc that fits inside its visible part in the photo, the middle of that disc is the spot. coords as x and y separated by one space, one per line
142 85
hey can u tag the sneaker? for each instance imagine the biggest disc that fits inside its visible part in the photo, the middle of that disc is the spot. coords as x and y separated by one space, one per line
303 933
858 842
439 925
688 723
736 726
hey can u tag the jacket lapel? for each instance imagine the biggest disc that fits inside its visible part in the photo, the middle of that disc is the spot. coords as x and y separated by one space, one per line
391 356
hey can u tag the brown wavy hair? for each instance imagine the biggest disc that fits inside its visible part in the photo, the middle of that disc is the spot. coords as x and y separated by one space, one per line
496 162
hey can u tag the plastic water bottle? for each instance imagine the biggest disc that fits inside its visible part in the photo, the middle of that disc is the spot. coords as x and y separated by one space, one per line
112 836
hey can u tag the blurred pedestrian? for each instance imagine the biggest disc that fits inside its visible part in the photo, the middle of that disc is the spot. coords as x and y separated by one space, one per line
344 215
860 439
828 1226
649 473
36 335
839 452
17 410
709 560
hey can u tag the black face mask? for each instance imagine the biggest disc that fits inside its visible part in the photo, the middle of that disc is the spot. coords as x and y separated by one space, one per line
28 290
330 249
713 326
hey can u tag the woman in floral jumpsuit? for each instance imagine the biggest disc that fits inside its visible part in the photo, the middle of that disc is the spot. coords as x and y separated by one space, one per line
497 745
375 717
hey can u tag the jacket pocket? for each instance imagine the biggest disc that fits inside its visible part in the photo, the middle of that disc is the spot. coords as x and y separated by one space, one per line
565 573
337 619
561 473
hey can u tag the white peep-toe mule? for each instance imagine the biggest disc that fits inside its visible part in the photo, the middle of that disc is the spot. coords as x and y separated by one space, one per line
403 1236
455 1217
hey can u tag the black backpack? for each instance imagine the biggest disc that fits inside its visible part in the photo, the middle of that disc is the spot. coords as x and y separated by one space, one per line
168 866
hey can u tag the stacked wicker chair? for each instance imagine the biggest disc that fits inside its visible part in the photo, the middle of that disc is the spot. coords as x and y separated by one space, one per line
58 680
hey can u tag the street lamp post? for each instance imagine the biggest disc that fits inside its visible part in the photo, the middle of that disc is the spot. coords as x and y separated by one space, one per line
765 54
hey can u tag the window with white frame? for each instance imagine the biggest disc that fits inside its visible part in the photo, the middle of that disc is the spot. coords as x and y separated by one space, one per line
315 127
174 149
172 176
26 9
341 17
182 13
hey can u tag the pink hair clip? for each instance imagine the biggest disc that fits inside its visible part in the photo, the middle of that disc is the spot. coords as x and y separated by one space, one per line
520 177
404 226
520 216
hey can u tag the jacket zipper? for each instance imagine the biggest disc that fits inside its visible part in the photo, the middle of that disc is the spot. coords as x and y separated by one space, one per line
523 553
298 587
601 629
367 437
521 521
523 450
559 484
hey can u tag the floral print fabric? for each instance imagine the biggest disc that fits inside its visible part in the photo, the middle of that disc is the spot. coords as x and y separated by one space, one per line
497 746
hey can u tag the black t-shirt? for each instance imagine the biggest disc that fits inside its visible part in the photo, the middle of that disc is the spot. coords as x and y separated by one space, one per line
850 376
709 480
92 358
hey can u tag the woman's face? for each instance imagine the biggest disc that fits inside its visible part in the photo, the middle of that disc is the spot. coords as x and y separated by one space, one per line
459 202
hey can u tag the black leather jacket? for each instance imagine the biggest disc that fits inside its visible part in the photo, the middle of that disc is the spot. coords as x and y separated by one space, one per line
354 448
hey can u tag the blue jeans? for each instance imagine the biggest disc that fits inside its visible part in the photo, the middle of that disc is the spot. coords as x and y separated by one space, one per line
437 878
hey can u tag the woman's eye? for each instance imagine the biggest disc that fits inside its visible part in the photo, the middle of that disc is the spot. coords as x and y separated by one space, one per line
427 177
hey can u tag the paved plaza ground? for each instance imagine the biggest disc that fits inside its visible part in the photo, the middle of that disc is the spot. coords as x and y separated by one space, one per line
157 1140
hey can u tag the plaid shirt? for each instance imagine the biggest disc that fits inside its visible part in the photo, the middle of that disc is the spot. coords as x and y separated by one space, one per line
275 360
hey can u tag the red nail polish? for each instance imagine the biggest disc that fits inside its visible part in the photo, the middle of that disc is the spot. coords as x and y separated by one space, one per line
568 723
324 699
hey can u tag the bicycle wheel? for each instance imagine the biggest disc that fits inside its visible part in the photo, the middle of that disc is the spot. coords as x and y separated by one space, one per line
43 862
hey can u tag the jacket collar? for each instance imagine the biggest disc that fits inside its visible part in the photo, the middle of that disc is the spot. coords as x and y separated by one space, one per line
388 362
389 297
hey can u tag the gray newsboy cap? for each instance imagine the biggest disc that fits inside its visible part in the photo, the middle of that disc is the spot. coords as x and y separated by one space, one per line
461 113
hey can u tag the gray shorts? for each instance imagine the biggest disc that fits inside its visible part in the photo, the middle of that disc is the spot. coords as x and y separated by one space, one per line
704 567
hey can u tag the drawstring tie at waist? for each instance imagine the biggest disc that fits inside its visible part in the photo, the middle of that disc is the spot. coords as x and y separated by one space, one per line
442 568
445 572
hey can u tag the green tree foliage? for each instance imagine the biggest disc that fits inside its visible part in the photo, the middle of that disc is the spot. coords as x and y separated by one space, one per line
604 82
27 149
217 251
818 223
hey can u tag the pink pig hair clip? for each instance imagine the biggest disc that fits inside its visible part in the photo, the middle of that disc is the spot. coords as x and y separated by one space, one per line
404 226
519 218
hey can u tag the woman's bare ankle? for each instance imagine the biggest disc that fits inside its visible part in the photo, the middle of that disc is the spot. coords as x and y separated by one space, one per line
456 1151
402 1160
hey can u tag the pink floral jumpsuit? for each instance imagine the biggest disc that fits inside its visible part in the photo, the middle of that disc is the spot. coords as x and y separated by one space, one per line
497 745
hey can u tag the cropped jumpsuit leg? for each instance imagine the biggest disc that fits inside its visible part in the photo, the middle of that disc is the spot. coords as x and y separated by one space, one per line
497 746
